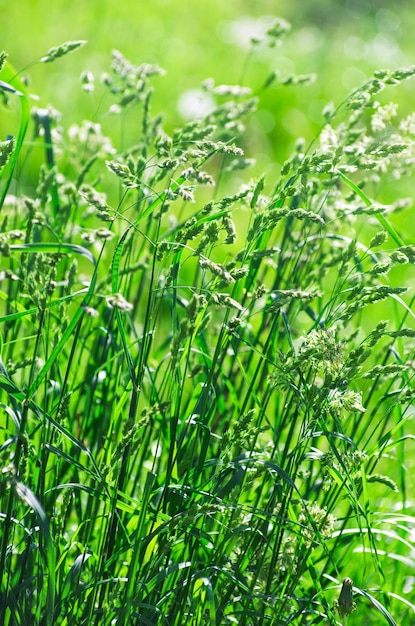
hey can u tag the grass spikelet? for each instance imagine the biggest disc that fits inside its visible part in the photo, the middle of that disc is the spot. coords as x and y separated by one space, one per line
56 52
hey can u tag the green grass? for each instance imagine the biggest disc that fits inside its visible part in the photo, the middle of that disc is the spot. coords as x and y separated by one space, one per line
342 42
206 419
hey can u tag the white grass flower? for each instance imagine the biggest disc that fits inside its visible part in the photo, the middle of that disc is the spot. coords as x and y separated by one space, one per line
383 116
348 400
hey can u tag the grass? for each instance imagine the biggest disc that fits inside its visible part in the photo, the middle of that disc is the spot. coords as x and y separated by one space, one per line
206 417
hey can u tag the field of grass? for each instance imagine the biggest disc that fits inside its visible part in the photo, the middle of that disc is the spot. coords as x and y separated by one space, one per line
207 324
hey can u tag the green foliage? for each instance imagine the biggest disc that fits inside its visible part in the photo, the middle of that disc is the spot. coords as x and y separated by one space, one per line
205 417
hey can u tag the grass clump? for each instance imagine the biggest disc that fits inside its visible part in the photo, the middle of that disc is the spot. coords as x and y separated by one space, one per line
205 414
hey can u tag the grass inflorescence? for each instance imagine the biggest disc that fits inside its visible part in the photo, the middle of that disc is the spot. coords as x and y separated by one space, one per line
205 384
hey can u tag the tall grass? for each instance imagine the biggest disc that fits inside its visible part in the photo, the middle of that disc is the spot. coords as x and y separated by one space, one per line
206 384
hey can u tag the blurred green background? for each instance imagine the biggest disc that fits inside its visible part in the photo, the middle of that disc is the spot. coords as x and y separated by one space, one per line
342 41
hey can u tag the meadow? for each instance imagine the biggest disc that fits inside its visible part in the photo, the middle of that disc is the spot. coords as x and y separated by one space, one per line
207 321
